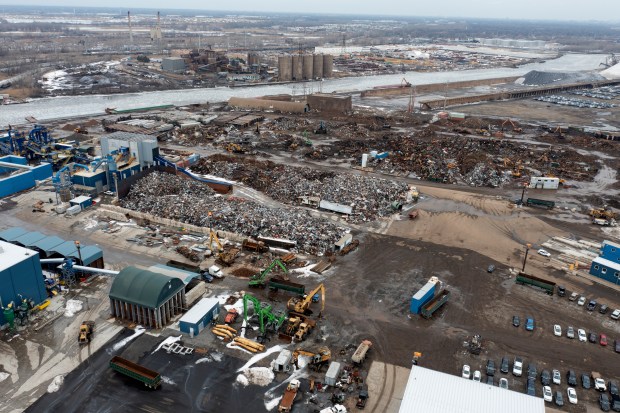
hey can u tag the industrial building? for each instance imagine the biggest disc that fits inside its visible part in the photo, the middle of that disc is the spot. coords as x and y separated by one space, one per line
427 390
20 276
305 67
607 265
267 104
330 103
173 64
199 316
16 175
147 298
53 247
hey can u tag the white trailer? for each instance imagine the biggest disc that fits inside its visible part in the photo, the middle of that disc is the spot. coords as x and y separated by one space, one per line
544 182
332 206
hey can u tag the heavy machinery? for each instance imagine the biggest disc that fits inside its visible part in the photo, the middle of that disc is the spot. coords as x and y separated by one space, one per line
235 148
515 128
231 316
266 319
322 130
258 280
256 246
304 329
86 332
318 359
302 305
603 213
228 257
213 238
286 404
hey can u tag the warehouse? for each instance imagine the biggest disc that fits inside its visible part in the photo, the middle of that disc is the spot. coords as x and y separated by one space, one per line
426 390
200 315
54 247
20 274
147 298
606 269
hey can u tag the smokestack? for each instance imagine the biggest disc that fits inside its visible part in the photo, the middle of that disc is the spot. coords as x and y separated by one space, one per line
130 32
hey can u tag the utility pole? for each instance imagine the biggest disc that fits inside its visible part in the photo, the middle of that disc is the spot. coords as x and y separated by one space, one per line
527 250
523 194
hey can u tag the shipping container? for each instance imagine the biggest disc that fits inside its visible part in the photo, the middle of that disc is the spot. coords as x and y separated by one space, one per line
544 182
424 295
333 373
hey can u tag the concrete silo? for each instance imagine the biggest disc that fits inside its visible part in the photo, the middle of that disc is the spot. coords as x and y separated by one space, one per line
328 65
297 67
308 66
317 71
285 68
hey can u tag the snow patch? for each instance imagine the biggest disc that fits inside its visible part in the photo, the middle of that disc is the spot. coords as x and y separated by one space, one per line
72 307
137 332
211 357
3 376
261 376
242 380
259 357
167 380
55 384
235 347
273 403
217 356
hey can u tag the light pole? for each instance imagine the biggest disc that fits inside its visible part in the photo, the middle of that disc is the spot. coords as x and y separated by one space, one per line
527 250
77 244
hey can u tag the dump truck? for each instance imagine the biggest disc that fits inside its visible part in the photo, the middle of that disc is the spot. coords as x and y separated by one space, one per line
86 332
533 202
256 246
546 285
276 284
150 378
435 304
286 404
360 354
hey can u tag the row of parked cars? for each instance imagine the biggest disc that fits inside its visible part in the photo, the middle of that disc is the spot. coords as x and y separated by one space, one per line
592 380
589 305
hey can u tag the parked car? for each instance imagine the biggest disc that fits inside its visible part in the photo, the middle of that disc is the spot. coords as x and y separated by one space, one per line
582 335
545 377
573 296
529 324
530 389
561 291
477 376
603 401
585 381
603 340
599 383
516 321
557 330
582 300
570 332
613 388
615 314
615 403
557 377
544 253
517 367
571 378
466 373
490 268
572 395
547 395
603 309
559 400
531 371
490 368
490 381
591 305
503 383
592 337
617 346
505 365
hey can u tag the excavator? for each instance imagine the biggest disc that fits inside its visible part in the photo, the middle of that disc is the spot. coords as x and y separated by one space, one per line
302 305
515 129
266 319
317 359
258 280
213 238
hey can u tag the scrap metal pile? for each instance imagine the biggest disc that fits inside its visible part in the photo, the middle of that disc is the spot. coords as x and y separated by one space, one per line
173 197
369 196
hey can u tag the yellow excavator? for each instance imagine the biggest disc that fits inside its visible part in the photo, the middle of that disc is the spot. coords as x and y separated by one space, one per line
302 305
317 359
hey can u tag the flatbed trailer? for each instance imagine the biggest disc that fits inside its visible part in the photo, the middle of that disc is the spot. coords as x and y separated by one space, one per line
533 202
435 304
546 285
150 378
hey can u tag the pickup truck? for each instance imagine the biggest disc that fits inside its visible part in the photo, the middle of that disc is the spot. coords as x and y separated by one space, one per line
362 399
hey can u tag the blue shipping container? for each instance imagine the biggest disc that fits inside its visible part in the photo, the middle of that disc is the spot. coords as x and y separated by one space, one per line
422 297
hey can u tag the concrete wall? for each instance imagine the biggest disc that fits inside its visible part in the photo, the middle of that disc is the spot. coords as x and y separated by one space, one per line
330 103
264 104
16 183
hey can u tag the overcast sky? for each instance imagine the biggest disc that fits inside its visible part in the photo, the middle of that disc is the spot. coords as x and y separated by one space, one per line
515 9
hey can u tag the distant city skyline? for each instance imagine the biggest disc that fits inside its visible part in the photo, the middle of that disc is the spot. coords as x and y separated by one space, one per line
580 10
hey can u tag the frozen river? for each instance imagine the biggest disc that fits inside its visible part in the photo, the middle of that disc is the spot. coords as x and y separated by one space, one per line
67 106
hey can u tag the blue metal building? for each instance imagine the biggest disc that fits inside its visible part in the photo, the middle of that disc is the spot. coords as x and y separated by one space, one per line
199 316
606 269
20 274
26 179
610 251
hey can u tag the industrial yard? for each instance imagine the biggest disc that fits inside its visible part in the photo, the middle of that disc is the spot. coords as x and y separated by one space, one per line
312 243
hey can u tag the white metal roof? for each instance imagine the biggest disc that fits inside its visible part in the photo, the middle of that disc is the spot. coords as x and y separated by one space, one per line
13 254
607 263
428 286
613 244
198 311
80 199
432 391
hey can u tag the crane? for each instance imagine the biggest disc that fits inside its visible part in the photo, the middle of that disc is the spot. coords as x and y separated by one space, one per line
266 318
258 280
302 305
317 359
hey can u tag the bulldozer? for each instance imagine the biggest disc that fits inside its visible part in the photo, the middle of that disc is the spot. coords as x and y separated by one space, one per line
317 359
86 332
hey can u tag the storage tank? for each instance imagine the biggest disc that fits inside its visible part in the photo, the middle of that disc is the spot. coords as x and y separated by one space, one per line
328 65
285 68
297 67
253 59
308 66
317 71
